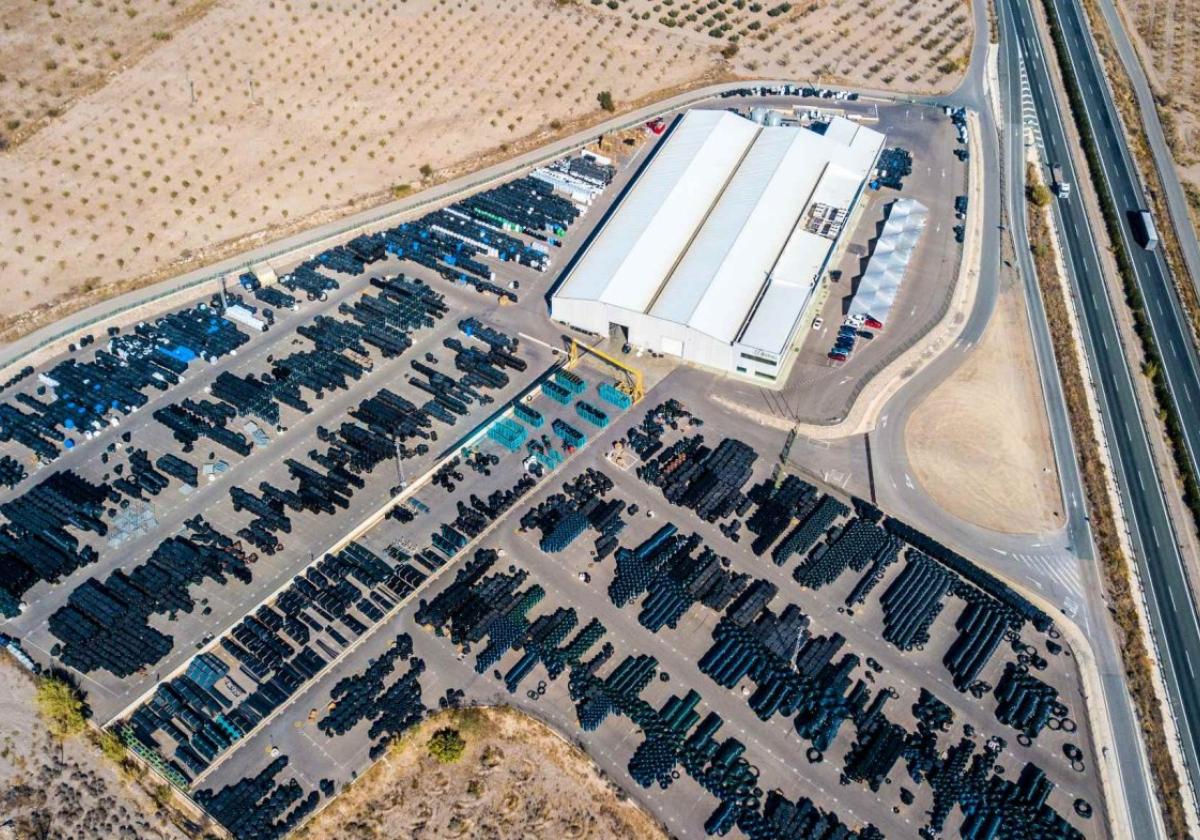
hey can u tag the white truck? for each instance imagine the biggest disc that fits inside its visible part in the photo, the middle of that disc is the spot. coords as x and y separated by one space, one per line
1143 229
1061 188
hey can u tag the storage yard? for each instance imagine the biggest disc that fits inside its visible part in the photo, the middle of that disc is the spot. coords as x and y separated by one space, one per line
271 531
147 143
516 779
596 625
265 432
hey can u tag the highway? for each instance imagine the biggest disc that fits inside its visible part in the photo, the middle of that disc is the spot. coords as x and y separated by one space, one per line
1164 161
1074 540
1181 365
1174 619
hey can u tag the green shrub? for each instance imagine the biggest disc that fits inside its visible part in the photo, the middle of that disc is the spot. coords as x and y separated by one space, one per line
1038 193
447 745
60 706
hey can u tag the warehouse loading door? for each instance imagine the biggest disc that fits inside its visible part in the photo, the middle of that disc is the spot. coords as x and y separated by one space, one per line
672 346
618 332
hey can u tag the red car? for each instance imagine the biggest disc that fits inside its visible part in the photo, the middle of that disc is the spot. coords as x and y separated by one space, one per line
836 356
657 126
874 324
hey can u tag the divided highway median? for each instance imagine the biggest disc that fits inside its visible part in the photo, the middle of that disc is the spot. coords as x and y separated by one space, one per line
1116 566
1152 366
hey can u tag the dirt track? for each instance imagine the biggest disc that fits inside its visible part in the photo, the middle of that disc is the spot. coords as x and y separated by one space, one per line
232 122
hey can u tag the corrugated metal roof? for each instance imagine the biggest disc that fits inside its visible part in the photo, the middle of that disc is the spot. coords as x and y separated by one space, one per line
719 215
795 275
627 263
724 270
792 283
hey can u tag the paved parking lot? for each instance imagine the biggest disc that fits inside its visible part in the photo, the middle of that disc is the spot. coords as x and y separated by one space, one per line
773 747
220 606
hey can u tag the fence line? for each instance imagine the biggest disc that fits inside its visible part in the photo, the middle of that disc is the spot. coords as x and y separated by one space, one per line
391 211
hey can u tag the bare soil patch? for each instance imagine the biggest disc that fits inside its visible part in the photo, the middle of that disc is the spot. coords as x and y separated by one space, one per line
67 789
979 444
260 118
515 779
51 54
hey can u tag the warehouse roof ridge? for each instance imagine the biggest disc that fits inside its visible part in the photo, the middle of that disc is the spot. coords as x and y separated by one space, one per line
721 240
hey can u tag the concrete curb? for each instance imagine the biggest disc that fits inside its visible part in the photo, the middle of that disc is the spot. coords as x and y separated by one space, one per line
1112 769
55 336
866 410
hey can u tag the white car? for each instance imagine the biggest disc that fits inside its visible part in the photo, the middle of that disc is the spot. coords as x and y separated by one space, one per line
817 322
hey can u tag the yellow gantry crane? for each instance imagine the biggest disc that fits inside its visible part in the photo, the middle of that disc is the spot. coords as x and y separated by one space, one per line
633 383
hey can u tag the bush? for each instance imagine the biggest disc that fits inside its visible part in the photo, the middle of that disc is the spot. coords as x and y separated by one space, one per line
112 746
447 745
606 101
60 707
426 170
162 795
1038 194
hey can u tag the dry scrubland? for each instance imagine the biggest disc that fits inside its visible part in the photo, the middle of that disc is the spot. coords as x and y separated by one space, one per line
50 789
1167 36
149 136
979 444
515 779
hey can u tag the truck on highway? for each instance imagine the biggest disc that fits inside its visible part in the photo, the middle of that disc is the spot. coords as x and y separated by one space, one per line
1143 228
1061 188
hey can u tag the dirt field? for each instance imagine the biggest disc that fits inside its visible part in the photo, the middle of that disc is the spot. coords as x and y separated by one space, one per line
53 791
516 779
1167 36
979 444
150 141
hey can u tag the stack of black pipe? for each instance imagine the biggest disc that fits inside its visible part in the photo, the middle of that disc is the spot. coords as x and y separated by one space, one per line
913 601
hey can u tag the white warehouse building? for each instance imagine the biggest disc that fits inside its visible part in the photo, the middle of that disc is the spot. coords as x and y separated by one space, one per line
715 252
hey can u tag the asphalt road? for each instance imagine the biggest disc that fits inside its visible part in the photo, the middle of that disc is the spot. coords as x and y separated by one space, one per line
1177 204
1181 365
971 94
1045 560
1174 619
299 246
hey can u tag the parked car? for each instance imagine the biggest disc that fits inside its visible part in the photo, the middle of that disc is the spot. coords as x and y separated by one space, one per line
818 322
836 356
